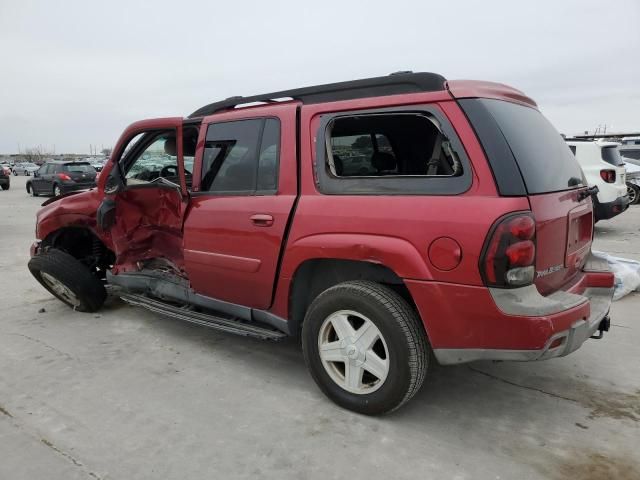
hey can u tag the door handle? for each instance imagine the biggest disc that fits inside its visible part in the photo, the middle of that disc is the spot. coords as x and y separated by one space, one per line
262 220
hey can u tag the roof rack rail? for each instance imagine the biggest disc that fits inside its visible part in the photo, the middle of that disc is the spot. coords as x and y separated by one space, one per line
394 84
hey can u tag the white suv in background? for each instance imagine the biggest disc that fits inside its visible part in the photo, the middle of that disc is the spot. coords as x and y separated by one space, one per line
604 168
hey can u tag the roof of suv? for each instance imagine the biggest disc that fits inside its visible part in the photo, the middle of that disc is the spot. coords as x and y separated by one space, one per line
394 84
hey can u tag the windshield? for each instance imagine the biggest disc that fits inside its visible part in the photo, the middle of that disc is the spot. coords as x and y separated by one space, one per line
79 168
612 155
543 157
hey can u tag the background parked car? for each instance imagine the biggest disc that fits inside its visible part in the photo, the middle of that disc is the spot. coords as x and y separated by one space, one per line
630 148
25 168
603 167
633 181
59 177
5 177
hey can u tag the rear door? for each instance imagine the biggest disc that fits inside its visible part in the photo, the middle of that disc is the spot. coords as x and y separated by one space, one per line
244 191
145 195
553 181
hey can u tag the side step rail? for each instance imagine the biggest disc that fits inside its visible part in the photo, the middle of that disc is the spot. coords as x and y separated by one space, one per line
236 327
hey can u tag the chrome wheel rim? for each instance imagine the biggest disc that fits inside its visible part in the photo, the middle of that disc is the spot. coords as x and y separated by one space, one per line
56 191
631 192
60 289
353 352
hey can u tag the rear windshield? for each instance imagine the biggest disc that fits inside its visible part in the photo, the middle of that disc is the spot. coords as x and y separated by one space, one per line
78 168
544 159
612 155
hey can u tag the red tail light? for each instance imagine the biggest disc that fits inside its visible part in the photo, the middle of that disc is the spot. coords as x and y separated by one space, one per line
608 176
509 252
64 176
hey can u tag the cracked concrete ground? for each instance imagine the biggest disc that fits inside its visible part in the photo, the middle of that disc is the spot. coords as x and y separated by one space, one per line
125 394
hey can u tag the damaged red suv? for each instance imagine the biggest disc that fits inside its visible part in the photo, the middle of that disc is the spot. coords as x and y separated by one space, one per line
387 222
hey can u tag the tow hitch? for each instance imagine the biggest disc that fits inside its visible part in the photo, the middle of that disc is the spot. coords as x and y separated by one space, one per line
603 327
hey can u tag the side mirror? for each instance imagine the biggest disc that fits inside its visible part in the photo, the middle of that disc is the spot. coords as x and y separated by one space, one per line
36 174
114 183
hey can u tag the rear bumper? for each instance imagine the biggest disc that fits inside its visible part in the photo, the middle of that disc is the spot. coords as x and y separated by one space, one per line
604 211
468 323
74 187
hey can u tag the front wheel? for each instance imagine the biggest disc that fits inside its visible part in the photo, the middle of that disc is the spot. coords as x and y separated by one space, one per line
365 347
68 280
31 191
56 191
633 191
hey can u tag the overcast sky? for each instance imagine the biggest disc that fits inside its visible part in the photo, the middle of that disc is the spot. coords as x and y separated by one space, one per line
75 73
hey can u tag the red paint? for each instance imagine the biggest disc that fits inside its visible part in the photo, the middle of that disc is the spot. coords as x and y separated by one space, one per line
553 213
229 247
474 321
238 238
445 253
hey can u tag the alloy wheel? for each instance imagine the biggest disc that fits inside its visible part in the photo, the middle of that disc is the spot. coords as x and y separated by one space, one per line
353 352
60 289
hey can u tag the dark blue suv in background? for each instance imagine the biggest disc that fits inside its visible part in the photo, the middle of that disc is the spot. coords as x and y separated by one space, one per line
60 177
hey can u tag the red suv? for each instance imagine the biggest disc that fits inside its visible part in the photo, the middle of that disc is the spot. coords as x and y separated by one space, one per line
387 221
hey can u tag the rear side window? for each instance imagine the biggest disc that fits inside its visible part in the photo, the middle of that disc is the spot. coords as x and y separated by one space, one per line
403 144
612 155
392 151
541 154
241 157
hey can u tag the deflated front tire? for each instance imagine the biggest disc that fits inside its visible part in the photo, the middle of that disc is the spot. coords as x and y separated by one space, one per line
68 280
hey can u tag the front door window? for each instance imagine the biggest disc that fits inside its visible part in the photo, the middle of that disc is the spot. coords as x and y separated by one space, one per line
158 160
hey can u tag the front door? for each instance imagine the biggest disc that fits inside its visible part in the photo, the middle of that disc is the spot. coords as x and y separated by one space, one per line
145 196
244 190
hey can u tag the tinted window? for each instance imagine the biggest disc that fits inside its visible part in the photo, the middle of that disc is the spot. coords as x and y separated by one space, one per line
573 149
545 162
612 156
241 156
269 154
78 168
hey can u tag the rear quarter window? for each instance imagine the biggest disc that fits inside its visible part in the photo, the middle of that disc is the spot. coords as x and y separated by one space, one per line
612 156
544 160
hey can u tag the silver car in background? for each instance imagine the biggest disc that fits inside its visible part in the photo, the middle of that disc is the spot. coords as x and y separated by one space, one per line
25 168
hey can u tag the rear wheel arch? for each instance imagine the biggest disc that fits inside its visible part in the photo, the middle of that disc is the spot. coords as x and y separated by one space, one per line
314 276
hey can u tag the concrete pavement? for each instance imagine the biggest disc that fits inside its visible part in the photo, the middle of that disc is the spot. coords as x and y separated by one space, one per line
126 394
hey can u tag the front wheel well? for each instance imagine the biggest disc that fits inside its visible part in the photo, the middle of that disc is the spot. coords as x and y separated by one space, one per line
82 244
314 276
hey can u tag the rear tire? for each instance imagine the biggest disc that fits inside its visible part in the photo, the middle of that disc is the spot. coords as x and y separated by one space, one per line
68 280
365 331
5 186
634 193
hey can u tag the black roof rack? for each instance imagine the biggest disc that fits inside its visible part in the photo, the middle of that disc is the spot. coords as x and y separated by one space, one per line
394 84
